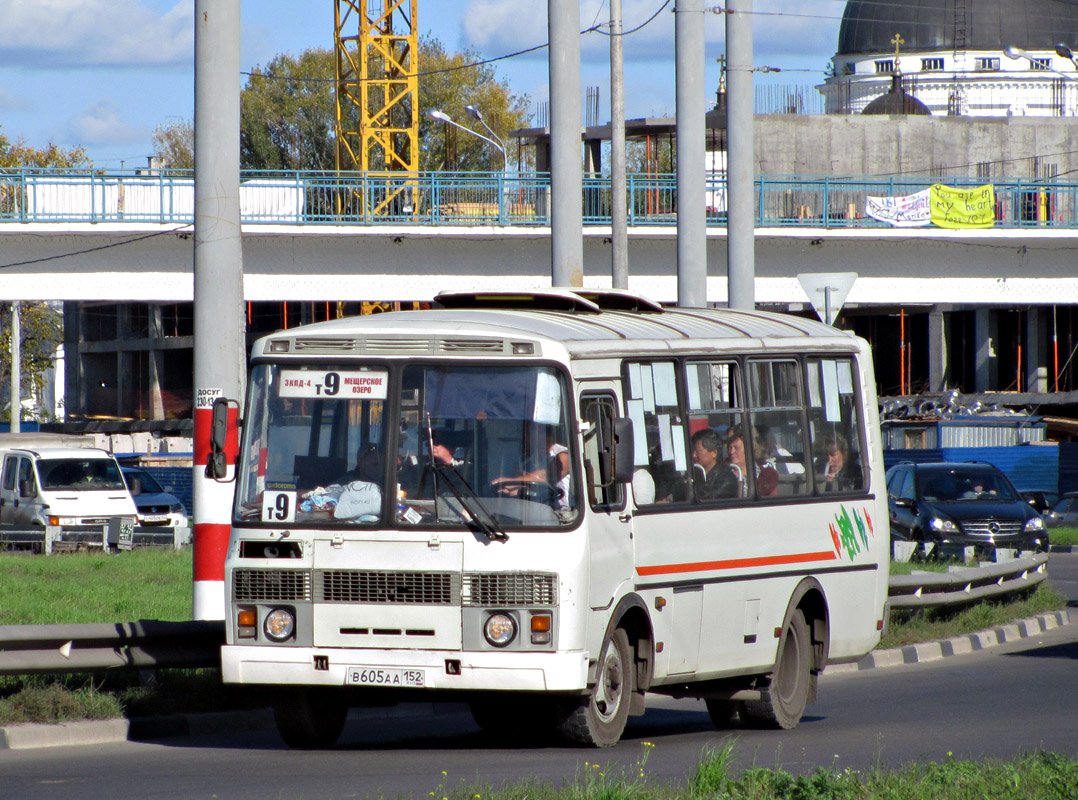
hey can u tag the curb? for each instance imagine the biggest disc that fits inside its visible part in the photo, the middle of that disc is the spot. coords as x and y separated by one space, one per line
34 735
29 735
958 645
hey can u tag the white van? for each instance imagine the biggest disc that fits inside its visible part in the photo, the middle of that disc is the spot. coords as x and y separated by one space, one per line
61 486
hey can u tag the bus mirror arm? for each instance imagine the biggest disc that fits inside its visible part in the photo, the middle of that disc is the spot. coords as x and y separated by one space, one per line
623 450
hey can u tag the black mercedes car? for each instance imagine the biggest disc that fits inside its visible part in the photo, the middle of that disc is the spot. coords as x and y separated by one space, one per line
961 504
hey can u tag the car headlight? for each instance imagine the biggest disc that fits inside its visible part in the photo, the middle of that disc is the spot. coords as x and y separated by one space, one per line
176 508
1034 524
500 629
280 624
942 525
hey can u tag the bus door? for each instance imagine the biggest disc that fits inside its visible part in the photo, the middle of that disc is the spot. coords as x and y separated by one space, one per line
609 525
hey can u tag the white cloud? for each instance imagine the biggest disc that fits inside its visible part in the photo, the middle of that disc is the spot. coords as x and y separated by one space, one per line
783 29
61 34
102 123
11 102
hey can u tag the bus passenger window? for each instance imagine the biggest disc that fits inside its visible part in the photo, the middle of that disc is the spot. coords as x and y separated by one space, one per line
658 432
722 458
835 426
777 410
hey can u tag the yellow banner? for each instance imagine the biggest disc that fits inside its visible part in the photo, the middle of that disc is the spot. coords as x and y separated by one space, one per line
963 208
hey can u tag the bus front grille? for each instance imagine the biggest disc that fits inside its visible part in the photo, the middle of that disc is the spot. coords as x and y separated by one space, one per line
270 585
510 589
376 586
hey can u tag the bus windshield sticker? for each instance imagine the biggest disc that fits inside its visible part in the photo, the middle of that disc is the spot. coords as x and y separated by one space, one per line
635 411
666 445
547 399
342 385
648 385
665 384
636 391
813 374
845 378
681 462
693 382
832 409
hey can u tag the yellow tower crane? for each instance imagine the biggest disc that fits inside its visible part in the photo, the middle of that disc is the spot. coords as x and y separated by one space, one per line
377 125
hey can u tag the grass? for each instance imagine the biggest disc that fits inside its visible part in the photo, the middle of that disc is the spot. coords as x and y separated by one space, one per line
1034 776
84 588
1063 536
92 587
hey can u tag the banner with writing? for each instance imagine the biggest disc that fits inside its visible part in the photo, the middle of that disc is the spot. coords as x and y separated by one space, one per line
963 208
903 212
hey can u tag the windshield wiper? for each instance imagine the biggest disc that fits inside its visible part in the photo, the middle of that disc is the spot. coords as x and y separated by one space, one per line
475 512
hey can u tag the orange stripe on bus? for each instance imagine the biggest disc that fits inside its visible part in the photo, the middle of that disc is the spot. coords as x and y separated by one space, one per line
737 563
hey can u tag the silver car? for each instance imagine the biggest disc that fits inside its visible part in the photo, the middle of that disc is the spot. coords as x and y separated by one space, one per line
1063 513
156 505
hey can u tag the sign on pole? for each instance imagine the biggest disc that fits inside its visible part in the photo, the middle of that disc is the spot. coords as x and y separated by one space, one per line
827 291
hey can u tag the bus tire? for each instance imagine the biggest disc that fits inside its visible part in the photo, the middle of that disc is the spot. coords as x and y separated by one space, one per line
600 720
783 702
310 720
723 713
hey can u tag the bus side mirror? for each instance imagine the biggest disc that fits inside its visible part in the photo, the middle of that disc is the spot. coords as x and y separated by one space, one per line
623 450
217 460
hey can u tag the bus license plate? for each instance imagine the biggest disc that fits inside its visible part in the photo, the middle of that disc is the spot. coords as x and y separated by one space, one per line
382 676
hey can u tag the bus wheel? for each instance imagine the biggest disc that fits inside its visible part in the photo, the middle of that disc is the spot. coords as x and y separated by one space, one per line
783 702
600 720
723 713
310 720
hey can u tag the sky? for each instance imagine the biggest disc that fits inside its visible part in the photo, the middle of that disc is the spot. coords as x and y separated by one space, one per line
103 74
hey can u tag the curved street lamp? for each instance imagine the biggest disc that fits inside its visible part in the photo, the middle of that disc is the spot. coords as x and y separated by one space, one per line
441 116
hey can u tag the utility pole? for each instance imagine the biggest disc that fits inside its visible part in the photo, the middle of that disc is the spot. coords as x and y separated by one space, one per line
691 184
16 370
566 180
619 236
218 283
740 213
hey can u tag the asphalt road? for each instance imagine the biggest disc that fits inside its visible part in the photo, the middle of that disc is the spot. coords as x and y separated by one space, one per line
998 703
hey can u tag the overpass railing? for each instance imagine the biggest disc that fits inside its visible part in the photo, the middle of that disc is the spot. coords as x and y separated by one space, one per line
489 198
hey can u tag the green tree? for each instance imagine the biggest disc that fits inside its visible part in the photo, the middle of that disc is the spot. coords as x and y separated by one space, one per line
40 333
174 144
19 154
288 111
447 84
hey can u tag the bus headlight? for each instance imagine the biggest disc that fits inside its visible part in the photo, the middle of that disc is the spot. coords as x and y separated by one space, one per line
280 624
500 629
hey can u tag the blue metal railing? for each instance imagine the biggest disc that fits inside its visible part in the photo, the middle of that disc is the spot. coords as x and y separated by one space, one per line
488 198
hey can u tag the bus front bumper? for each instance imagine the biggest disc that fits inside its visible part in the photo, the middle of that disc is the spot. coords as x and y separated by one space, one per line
440 669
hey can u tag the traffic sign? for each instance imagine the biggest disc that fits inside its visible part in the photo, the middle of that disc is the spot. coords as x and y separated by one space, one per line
827 291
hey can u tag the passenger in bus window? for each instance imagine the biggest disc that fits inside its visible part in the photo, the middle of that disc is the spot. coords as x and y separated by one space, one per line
441 446
767 477
711 478
837 472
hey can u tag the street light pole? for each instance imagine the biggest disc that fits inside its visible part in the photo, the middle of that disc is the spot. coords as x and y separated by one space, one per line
441 116
501 145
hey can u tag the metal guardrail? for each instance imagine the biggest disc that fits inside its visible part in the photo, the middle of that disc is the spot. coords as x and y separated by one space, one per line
491 198
146 644
966 584
150 644
56 539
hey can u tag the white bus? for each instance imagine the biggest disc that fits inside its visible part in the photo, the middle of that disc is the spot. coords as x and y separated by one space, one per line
550 504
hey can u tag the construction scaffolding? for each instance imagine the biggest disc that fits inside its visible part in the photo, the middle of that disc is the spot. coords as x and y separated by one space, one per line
377 122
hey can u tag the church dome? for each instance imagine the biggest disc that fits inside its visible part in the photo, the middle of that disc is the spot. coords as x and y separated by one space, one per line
925 25
896 101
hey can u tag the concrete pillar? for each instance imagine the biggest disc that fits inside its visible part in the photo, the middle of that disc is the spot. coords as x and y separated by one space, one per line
985 333
939 374
154 362
1034 356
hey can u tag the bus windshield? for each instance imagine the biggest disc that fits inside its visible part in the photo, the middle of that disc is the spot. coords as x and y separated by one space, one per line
402 447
